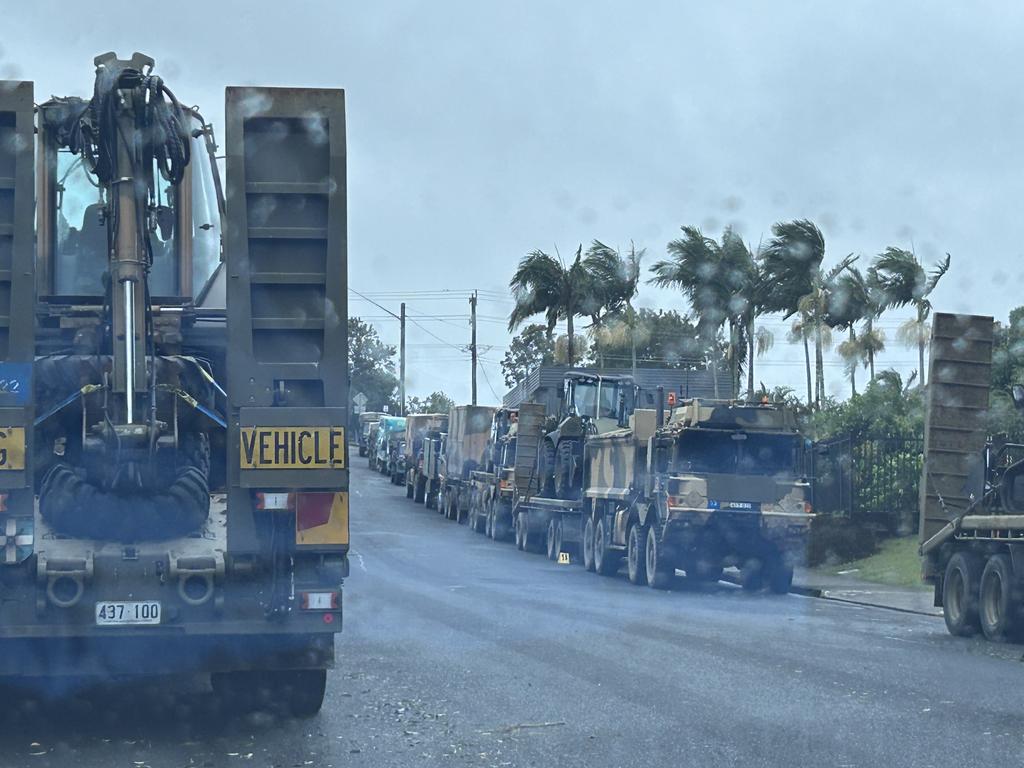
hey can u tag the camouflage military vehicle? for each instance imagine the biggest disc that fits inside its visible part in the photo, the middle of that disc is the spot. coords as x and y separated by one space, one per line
469 429
433 466
492 494
390 431
371 445
591 404
416 428
720 484
366 421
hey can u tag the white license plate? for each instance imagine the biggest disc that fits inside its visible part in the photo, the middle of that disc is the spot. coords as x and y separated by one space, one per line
123 613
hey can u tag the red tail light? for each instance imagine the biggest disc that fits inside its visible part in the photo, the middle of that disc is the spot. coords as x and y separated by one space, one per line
312 510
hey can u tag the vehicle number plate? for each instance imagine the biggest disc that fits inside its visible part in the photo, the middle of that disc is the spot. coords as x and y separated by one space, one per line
124 613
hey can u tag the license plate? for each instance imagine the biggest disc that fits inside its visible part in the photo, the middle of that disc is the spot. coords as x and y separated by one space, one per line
128 613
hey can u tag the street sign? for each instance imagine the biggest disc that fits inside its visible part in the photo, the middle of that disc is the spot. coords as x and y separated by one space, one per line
360 400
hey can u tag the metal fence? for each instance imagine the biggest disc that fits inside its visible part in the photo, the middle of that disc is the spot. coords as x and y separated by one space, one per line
872 480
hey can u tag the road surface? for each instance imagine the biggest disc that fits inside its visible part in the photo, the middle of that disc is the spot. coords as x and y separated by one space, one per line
461 652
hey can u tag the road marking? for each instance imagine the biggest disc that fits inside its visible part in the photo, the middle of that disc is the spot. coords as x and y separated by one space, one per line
359 557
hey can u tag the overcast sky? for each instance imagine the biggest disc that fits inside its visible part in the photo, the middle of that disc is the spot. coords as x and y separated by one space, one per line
478 131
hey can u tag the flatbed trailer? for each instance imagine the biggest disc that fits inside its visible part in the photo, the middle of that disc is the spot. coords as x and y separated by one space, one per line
550 526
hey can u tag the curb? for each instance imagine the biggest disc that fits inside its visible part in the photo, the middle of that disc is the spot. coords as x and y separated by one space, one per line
823 594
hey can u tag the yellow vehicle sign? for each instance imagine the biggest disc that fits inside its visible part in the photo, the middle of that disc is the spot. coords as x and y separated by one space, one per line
292 448
12 448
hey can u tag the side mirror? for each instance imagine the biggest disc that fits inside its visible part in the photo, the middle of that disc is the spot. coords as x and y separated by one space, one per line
1017 391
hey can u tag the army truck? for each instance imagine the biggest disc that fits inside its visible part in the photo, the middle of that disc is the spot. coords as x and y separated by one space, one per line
371 445
719 484
972 488
366 421
469 429
411 468
433 466
390 432
491 494
173 386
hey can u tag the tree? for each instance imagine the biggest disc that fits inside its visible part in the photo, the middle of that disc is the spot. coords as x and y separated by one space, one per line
614 281
848 304
371 366
902 281
718 279
435 402
532 348
654 339
544 285
796 284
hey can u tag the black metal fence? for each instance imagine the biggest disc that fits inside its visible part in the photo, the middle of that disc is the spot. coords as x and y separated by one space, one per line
871 480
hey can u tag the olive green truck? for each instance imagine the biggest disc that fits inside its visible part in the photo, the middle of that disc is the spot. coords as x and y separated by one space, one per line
173 386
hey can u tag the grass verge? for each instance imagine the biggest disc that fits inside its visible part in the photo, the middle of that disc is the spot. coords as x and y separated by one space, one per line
896 562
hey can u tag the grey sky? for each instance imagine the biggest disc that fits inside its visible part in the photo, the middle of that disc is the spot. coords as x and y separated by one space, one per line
479 131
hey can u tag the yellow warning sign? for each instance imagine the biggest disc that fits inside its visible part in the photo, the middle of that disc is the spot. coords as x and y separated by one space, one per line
563 558
12 448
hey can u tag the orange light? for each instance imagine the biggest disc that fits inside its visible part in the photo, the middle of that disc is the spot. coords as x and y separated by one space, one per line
671 399
808 508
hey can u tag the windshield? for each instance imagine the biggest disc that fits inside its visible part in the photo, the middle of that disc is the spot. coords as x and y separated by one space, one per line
715 451
586 398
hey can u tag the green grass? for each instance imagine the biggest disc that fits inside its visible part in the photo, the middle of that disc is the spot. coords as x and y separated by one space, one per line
896 562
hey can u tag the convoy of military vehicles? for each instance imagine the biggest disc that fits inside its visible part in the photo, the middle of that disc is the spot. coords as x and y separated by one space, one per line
693 485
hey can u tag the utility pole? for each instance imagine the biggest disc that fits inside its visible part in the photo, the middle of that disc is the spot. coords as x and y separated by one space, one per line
401 363
472 341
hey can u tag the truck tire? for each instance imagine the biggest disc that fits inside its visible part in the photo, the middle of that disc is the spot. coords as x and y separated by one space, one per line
489 521
997 606
606 559
500 530
300 691
564 476
362 453
588 544
419 489
636 554
408 489
961 586
661 570
554 539
431 498
780 576
752 574
546 469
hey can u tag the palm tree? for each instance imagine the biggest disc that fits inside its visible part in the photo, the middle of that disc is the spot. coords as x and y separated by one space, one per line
903 280
615 281
718 279
791 264
857 298
801 331
542 284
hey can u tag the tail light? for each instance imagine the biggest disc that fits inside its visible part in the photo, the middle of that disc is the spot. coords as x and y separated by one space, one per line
808 508
312 510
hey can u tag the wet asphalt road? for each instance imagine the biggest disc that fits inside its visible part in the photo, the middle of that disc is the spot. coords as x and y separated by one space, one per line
458 651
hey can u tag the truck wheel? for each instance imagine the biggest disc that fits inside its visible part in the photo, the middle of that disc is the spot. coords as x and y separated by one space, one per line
546 473
660 568
489 522
588 544
408 490
960 589
752 575
301 691
636 556
553 542
606 559
501 523
997 609
419 489
520 538
780 577
362 452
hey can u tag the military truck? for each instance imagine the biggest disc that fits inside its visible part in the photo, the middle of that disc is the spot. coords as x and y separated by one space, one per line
371 445
411 469
173 385
469 429
366 421
433 466
390 432
492 494
972 488
719 484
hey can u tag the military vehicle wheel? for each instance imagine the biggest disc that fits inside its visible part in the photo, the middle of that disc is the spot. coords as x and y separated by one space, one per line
606 559
997 609
960 589
660 568
780 577
519 529
362 452
546 469
752 575
419 490
489 521
553 540
431 499
636 555
300 691
501 523
408 490
588 544
563 473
